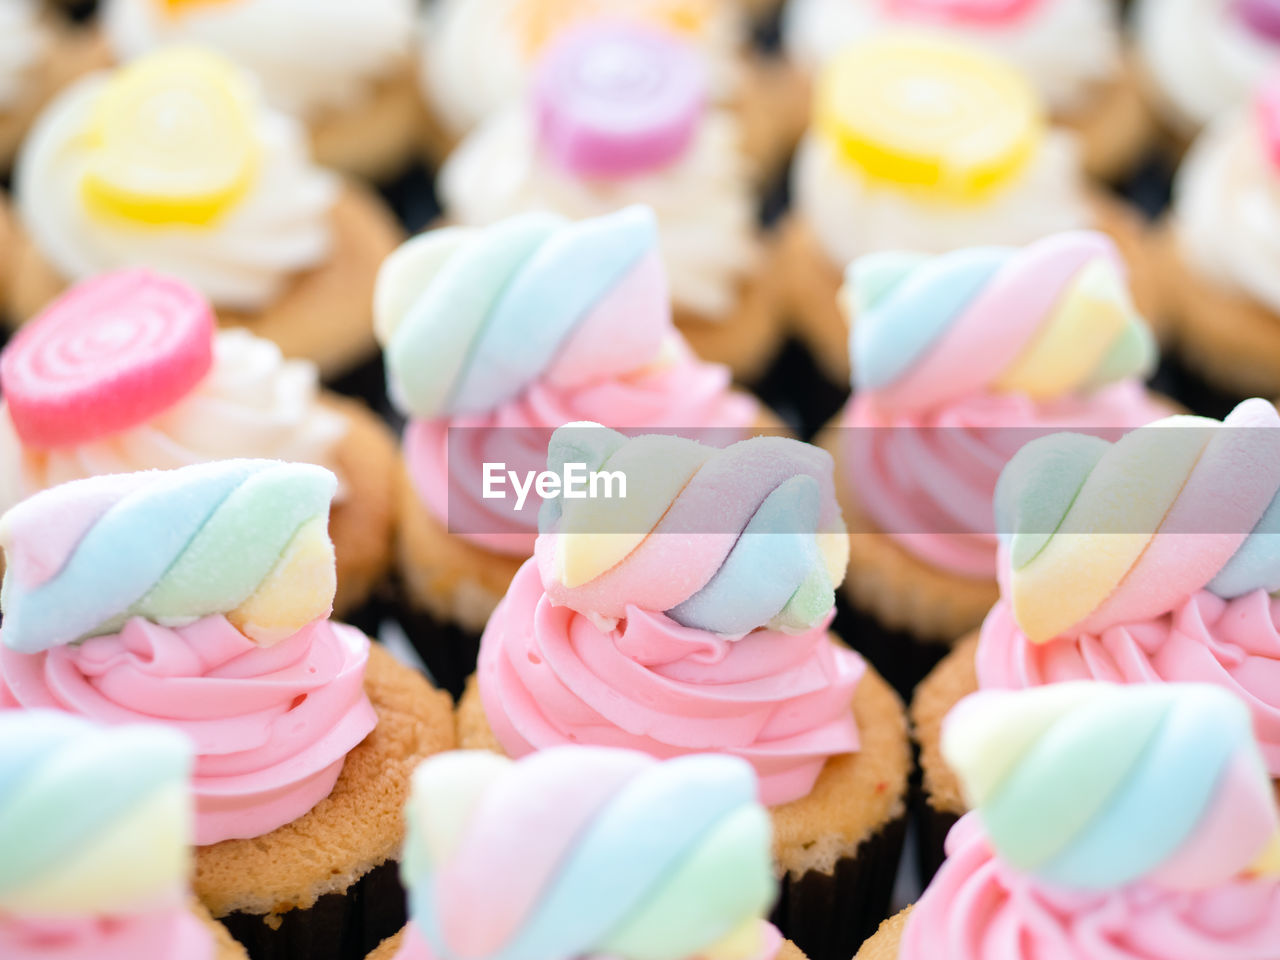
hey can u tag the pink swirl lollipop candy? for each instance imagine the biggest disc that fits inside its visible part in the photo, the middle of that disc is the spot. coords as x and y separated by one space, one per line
615 98
108 355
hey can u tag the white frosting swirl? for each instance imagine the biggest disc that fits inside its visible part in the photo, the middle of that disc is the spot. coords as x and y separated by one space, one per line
1066 48
474 62
253 403
23 41
853 215
1227 209
242 261
703 201
310 55
1201 57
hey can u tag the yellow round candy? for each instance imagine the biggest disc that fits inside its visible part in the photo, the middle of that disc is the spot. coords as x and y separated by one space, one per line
930 115
538 22
172 140
181 6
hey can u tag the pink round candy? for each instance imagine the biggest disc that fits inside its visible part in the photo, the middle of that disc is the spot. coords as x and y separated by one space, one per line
111 353
1261 16
1267 106
614 99
963 11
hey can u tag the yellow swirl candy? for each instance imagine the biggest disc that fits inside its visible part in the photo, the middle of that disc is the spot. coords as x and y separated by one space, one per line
537 22
924 113
173 140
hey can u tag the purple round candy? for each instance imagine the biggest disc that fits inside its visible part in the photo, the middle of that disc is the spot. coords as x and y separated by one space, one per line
615 98
1262 16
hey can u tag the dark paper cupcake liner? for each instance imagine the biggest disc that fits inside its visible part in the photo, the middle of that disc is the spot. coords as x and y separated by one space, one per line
1175 379
383 604
412 198
367 382
898 656
828 916
344 926
797 391
448 652
932 827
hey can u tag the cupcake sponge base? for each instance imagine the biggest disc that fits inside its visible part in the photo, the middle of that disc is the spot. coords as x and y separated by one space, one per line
8 245
886 943
324 315
953 679
362 523
1114 126
377 137
357 828
1229 339
940 802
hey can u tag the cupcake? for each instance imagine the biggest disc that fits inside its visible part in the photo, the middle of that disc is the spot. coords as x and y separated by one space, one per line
1221 251
346 69
958 360
1200 58
1143 561
493 338
1070 50
126 372
639 859
95 826
690 616
619 114
479 57
39 54
197 598
1110 821
227 200
886 167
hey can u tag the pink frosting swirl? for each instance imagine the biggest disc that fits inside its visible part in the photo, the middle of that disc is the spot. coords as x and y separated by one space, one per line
680 393
928 478
1232 643
978 908
170 934
272 725
549 676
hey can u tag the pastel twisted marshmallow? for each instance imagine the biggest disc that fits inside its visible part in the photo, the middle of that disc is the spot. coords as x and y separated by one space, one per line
585 851
1097 534
470 318
1047 320
1096 786
93 821
244 538
720 539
